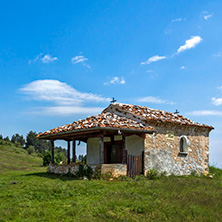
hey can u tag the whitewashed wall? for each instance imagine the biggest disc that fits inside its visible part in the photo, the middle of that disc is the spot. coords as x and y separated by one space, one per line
134 145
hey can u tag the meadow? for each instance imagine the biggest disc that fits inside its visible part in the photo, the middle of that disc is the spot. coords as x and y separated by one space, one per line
29 193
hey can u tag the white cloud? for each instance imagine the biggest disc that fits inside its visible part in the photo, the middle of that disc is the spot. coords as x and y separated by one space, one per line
59 93
65 110
206 17
116 80
151 99
182 67
220 88
205 113
45 59
153 59
190 43
149 70
48 58
217 101
218 54
80 59
178 19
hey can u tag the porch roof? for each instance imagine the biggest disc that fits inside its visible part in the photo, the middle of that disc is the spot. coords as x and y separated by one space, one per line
101 122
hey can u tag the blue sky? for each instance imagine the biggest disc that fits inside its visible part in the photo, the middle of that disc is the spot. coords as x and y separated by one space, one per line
62 61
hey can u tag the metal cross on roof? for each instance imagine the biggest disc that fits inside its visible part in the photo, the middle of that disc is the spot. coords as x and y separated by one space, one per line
114 100
176 112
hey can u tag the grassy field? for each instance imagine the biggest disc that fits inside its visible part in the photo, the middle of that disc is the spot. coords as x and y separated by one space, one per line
38 196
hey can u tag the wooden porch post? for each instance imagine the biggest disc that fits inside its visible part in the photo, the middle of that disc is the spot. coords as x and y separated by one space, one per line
124 149
101 145
68 152
74 151
52 152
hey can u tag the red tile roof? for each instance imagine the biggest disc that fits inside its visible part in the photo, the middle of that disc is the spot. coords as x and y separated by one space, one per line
103 120
149 114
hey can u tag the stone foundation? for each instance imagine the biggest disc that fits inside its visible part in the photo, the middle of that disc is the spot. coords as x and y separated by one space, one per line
72 168
115 169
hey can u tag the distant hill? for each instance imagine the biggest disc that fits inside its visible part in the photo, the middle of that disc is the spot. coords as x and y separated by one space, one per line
14 158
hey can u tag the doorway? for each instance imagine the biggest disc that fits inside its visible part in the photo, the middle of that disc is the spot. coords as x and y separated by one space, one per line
113 152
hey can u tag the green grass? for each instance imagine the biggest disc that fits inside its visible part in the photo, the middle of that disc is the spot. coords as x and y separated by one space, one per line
38 196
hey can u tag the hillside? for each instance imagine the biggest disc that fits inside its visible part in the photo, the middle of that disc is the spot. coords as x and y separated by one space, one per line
14 158
28 193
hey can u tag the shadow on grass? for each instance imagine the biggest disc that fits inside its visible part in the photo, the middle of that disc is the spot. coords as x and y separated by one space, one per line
52 176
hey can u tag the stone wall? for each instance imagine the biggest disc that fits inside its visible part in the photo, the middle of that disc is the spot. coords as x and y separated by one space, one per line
72 168
162 151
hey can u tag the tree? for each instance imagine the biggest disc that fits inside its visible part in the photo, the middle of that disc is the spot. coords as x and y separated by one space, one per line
40 145
31 149
46 157
7 139
1 137
18 139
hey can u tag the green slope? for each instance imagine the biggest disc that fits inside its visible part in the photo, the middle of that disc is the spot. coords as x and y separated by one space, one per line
14 158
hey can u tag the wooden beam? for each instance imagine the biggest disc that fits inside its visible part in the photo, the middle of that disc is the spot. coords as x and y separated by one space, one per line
101 145
74 151
52 152
124 149
68 152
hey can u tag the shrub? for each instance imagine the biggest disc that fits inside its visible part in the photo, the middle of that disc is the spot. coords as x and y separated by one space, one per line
31 149
194 173
46 157
59 157
87 172
217 172
152 174
139 178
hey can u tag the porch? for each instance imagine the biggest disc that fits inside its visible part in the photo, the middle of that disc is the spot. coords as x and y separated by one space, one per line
107 150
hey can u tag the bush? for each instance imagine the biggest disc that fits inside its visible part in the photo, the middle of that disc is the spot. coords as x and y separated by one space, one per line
31 150
87 172
59 157
194 173
152 174
217 172
46 157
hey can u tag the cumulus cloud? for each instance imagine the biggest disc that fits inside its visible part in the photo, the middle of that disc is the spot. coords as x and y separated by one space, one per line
190 43
152 99
153 59
44 58
116 80
205 113
216 101
60 93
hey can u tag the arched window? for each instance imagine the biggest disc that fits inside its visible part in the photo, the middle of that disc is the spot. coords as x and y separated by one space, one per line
183 145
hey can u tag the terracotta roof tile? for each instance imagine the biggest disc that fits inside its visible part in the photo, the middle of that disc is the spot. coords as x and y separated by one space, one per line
105 119
154 114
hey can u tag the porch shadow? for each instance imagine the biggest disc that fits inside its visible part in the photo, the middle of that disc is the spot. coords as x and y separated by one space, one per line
52 176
